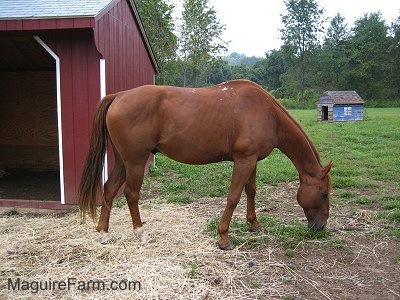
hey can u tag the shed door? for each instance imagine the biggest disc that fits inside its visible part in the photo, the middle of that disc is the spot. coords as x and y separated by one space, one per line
29 160
324 113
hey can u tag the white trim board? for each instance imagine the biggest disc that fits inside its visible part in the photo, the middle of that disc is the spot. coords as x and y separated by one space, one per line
103 93
59 121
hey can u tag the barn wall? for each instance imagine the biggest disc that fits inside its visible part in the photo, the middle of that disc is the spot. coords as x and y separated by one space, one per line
80 93
118 38
348 112
128 62
28 121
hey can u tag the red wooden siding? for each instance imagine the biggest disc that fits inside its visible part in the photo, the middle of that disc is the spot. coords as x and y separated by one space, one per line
128 62
80 93
119 40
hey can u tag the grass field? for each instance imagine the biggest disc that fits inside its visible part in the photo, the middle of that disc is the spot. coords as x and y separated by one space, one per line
366 172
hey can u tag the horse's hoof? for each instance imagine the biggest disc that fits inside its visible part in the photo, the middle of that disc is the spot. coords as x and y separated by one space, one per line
104 237
226 246
256 228
140 234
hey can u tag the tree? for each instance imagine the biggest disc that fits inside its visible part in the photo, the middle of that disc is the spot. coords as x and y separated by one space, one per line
394 57
156 16
302 25
200 39
218 71
274 67
334 55
369 62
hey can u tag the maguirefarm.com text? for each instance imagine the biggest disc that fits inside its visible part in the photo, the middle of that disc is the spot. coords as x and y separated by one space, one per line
71 283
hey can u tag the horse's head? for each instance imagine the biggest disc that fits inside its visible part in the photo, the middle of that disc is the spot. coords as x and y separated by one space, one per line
313 197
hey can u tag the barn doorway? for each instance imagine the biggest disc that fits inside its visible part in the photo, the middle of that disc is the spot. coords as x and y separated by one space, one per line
325 113
29 147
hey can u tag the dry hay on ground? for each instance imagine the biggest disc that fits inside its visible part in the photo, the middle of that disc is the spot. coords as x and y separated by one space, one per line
183 262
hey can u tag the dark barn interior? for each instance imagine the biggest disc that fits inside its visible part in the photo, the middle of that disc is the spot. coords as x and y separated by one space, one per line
29 164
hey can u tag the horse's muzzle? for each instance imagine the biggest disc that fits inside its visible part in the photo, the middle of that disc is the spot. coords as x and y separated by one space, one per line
316 225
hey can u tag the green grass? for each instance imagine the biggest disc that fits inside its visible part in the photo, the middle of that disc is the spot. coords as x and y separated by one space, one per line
119 202
273 230
364 153
192 269
391 214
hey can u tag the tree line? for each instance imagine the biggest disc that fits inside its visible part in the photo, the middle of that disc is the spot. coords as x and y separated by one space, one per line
364 57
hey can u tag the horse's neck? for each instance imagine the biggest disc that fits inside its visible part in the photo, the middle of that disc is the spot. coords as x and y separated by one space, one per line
297 147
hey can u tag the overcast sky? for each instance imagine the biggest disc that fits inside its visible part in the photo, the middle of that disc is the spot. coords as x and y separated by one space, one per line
252 26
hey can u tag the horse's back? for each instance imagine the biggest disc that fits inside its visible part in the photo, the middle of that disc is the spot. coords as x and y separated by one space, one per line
192 125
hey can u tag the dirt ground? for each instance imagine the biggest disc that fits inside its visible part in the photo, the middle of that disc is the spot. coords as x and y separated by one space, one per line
30 185
181 261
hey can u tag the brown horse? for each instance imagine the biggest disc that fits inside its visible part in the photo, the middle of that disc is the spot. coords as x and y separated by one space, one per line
234 121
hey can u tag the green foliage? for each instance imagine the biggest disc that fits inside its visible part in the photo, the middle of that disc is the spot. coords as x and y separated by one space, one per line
391 206
159 23
182 183
368 54
346 194
119 202
12 212
364 57
200 39
235 59
192 269
391 213
289 236
302 23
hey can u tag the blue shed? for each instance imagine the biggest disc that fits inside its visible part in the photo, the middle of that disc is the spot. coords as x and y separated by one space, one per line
340 106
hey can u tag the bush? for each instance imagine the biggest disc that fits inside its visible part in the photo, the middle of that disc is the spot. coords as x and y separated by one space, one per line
382 103
296 104
310 95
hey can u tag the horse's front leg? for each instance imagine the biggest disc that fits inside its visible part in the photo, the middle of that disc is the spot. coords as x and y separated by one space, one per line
250 189
242 171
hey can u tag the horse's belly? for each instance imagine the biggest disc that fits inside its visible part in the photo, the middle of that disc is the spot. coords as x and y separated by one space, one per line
194 150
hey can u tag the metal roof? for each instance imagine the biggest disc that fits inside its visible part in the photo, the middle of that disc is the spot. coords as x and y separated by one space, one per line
341 97
41 9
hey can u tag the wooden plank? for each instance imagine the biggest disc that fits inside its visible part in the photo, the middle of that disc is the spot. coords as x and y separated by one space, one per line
37 204
28 120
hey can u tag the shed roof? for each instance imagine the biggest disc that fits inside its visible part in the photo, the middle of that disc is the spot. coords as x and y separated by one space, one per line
341 97
40 9
24 15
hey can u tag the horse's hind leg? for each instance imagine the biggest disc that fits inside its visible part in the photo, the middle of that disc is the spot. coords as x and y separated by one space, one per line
134 180
111 187
250 189
242 170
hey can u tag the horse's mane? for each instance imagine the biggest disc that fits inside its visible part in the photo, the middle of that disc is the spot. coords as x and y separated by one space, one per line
283 110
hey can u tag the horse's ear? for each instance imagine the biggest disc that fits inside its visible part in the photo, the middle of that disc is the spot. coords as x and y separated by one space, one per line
327 169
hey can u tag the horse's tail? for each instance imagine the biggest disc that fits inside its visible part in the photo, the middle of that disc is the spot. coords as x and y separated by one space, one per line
90 184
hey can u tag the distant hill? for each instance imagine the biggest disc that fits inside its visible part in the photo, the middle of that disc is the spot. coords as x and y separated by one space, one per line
235 59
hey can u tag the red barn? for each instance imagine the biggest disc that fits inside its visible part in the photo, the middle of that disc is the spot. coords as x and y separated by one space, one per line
57 59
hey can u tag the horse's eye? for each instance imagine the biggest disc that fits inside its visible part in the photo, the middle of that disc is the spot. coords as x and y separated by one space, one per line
324 196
